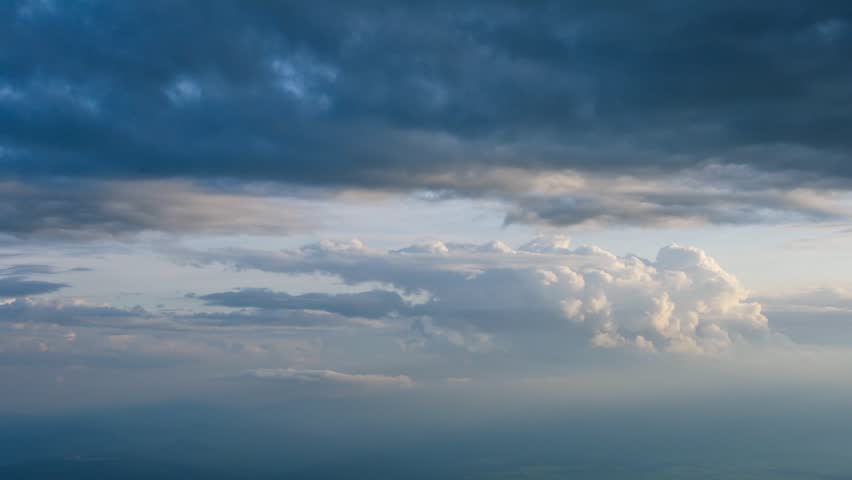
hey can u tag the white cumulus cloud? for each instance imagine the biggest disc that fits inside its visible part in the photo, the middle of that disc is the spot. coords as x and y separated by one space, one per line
682 301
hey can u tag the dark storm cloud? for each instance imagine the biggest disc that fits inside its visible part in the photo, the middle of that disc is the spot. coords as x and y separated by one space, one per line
402 97
365 94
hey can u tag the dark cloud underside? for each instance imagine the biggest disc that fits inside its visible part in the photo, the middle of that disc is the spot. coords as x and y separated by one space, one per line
366 94
20 287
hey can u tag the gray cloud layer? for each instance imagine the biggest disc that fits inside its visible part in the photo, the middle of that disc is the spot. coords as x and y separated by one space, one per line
20 287
86 210
13 282
401 97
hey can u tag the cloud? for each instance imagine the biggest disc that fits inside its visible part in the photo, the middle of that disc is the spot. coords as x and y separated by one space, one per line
425 334
683 301
711 195
330 377
69 333
316 319
86 209
69 313
371 304
544 297
20 287
476 298
73 210
819 316
13 282
433 97
36 269
76 312
588 74
815 300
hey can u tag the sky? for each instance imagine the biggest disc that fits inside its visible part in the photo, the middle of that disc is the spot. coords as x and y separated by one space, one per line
469 239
